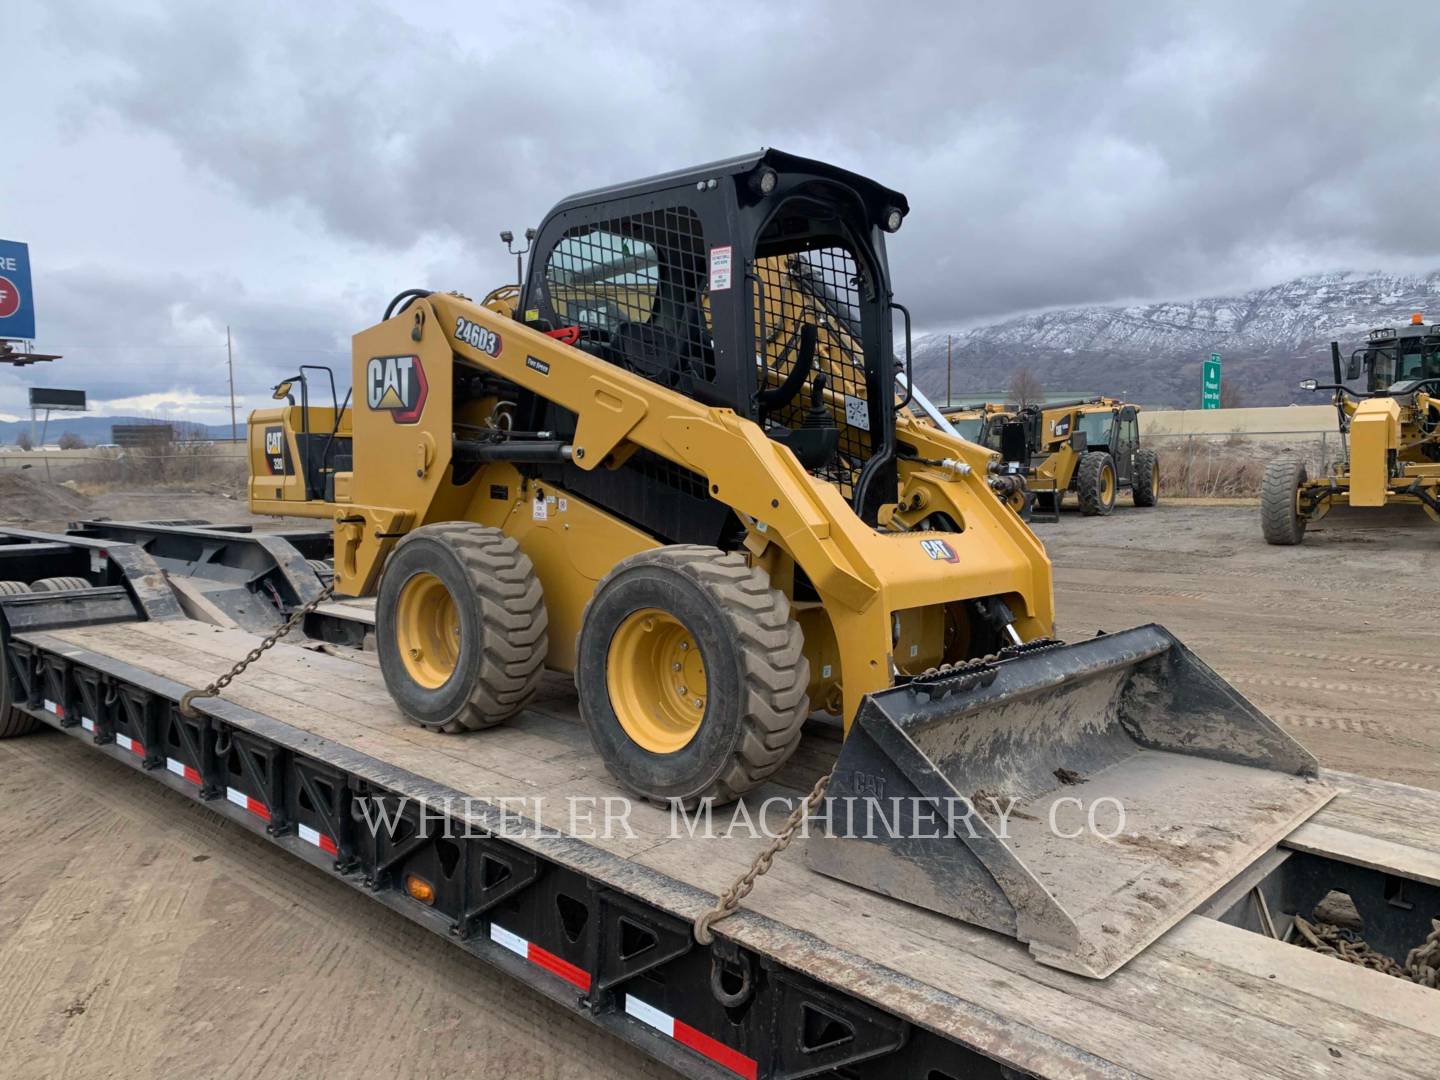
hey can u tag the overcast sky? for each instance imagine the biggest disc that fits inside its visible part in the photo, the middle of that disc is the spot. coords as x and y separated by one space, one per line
286 168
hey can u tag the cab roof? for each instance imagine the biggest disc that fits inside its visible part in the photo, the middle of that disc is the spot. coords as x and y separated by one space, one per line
877 198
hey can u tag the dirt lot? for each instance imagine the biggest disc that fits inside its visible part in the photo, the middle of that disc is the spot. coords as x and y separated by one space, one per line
141 936
1336 639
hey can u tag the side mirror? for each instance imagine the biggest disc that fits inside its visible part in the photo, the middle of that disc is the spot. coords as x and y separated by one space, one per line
282 391
1309 384
1353 371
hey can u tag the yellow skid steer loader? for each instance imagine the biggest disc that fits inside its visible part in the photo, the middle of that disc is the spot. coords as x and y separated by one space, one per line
682 463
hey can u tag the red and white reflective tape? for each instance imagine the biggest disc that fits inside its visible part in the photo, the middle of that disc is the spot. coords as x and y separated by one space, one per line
686 1035
577 977
87 723
245 802
318 838
180 769
125 742
54 707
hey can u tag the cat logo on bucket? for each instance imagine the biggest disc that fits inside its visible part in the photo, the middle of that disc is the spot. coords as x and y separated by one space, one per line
396 384
939 550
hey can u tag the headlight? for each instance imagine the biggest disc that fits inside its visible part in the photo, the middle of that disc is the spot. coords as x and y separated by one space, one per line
1309 384
892 220
763 181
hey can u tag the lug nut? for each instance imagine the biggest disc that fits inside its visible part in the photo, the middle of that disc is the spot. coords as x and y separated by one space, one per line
683 691
699 704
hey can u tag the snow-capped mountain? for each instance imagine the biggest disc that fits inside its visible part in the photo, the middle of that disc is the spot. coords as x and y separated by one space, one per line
1269 339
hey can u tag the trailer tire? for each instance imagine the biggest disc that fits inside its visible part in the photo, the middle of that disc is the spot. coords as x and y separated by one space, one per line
59 584
476 580
13 588
1280 518
1095 483
13 722
1145 477
719 634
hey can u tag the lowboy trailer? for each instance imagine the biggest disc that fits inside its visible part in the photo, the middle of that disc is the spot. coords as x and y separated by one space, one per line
812 977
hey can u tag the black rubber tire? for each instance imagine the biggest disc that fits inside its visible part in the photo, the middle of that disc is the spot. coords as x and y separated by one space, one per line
503 639
13 722
1088 484
1280 518
324 570
1145 477
13 588
756 673
59 584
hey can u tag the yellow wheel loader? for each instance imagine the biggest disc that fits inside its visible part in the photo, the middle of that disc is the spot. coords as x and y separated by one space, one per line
1390 432
682 464
980 423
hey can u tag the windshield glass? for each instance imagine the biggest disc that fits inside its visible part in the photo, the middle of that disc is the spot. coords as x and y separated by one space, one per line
968 429
1096 426
1403 361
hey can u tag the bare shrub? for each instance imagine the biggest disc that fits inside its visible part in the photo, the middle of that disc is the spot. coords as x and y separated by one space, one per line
178 466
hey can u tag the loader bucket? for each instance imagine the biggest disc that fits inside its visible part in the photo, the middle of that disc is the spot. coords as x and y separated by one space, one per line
1082 798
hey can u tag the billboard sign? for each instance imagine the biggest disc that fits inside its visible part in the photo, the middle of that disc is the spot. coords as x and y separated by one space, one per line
57 400
1210 383
17 309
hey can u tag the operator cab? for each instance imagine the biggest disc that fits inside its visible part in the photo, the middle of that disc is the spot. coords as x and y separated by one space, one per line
758 284
1392 362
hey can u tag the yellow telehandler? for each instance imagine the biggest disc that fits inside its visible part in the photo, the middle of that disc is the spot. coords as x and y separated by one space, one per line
1089 446
1390 432
681 463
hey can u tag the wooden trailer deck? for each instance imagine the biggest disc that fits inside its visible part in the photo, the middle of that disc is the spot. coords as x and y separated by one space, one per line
1206 1000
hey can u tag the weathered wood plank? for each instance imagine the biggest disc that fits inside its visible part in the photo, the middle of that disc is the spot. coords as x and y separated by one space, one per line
1205 1000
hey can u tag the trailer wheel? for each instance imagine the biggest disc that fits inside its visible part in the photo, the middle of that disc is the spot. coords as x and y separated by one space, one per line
460 626
59 584
1145 477
1280 518
1095 484
13 722
13 588
692 674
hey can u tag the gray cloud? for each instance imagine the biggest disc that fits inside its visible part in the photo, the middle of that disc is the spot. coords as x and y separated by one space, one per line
1053 153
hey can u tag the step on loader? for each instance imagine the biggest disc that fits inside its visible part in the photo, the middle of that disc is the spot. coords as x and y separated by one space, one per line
682 463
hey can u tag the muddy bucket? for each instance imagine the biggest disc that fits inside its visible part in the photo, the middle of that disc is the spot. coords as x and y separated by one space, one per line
1081 798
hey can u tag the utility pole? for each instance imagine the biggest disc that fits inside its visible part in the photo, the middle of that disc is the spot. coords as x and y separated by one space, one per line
948 399
230 363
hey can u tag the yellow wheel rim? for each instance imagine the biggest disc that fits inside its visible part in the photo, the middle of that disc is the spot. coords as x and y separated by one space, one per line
656 678
1155 479
427 630
1107 484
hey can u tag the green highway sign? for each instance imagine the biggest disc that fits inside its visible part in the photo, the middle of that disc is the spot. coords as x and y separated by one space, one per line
1210 383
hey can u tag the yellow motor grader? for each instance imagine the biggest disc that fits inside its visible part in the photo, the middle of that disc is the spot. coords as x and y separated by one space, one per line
682 463
1390 432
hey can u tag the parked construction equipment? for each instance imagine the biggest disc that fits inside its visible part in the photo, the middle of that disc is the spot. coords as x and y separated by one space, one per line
615 471
1089 446
1390 432
675 464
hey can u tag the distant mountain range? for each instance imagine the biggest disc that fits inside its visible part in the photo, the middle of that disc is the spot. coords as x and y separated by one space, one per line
1269 339
95 430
